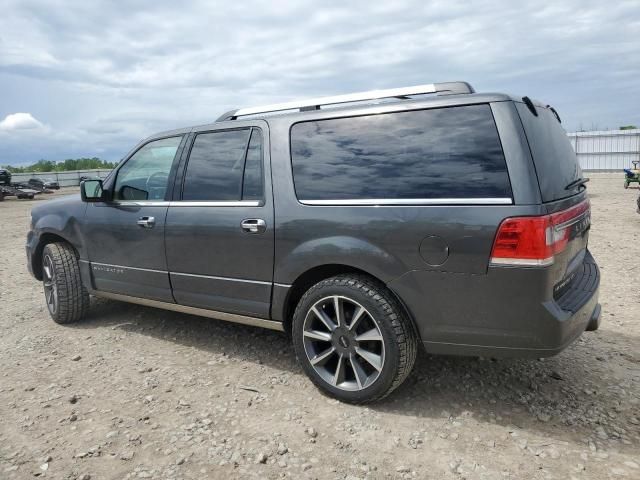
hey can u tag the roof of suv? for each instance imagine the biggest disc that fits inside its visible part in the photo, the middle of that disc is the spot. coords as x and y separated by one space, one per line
407 98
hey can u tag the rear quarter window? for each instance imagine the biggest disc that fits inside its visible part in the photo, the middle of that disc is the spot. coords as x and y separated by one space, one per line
553 156
450 152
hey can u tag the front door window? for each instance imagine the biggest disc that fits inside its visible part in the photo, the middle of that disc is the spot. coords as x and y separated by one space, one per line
145 176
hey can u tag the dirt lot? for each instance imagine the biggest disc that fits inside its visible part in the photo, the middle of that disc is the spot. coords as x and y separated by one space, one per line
135 392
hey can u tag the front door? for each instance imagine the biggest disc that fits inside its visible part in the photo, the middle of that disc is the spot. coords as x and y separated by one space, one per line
219 229
126 235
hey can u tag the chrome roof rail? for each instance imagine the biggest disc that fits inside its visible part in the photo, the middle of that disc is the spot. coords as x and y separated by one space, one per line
447 88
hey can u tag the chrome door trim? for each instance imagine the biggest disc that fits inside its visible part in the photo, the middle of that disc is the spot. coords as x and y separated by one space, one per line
410 201
239 203
213 277
228 317
138 203
346 202
181 203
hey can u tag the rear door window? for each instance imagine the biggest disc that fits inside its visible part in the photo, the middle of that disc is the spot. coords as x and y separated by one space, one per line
426 154
225 166
554 158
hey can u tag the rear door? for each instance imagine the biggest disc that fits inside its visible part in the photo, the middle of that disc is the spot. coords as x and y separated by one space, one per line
553 156
219 230
559 172
556 165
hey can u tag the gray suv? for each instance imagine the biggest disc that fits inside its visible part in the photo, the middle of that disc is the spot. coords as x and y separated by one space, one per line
362 225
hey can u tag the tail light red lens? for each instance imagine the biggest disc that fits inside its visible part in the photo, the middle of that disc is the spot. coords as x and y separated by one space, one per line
534 241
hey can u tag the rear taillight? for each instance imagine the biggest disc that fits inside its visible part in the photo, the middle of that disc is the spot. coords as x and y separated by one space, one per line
534 241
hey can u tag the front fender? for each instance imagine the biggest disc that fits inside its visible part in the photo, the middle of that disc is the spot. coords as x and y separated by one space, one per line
58 220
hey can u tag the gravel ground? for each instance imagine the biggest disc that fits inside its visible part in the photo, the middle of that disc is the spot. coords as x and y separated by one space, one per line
134 392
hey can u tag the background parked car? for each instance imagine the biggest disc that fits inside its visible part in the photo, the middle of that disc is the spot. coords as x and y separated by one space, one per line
5 177
44 183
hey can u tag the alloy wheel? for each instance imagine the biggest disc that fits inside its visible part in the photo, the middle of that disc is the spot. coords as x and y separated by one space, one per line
343 343
50 286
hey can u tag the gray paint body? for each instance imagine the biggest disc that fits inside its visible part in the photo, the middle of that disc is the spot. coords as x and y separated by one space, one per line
198 256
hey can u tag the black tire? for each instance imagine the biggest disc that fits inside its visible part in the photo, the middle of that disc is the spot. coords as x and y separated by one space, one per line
396 332
62 283
626 184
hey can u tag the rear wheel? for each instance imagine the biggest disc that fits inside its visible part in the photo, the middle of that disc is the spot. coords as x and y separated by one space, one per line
626 184
67 299
353 339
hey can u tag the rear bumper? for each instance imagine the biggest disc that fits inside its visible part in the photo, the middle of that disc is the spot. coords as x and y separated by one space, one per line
505 313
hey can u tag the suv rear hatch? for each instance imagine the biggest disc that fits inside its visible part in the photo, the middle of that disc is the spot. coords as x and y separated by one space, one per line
559 239
555 161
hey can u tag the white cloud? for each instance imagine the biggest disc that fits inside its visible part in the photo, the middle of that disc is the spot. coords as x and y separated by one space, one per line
107 76
20 121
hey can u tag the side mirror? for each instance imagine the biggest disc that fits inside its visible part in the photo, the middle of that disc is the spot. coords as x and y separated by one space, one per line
128 192
91 190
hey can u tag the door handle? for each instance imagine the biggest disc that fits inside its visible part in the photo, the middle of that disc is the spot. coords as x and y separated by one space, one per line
253 225
146 222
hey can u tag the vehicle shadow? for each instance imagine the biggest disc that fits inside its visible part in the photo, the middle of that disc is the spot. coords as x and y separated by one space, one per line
269 347
567 396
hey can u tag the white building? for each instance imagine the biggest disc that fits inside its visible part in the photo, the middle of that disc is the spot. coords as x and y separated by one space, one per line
606 150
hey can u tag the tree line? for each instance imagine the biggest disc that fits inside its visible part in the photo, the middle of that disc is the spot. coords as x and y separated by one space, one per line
64 165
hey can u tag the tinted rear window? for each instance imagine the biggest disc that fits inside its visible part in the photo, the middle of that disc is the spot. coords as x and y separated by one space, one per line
216 163
439 153
554 157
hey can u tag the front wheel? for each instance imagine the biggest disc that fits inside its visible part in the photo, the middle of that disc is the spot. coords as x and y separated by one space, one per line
67 299
353 339
626 184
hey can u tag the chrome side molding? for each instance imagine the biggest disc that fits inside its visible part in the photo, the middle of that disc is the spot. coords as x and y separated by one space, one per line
410 201
201 312
213 277
185 203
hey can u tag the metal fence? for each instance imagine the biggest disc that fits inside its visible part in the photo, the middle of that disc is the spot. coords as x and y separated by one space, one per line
609 150
64 179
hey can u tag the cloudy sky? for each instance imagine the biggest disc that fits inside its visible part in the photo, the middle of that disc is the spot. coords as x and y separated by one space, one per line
91 78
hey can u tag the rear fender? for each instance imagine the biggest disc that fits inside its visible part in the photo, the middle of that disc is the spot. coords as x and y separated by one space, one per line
341 250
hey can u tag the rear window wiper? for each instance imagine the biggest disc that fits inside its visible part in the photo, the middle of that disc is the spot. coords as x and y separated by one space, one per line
576 183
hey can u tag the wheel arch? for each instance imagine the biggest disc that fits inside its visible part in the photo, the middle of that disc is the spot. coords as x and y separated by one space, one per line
321 272
45 239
